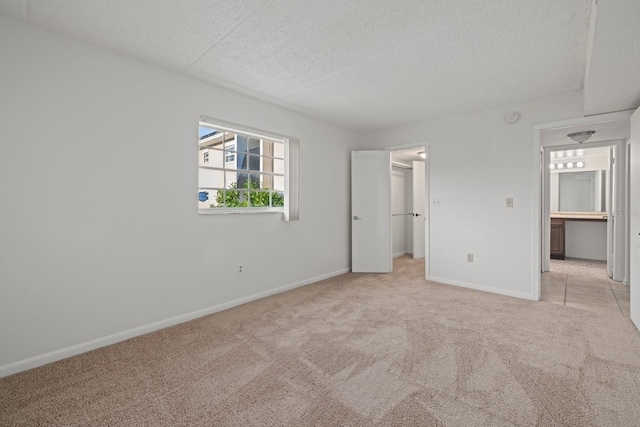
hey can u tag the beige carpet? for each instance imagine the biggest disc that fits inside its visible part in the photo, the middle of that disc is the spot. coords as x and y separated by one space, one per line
357 350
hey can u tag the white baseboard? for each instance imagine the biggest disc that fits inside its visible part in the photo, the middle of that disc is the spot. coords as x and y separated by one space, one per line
399 254
484 288
54 356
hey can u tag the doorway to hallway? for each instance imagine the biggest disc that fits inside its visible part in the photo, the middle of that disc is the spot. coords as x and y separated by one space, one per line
584 284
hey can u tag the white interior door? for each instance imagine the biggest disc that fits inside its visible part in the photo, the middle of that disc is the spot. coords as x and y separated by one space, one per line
371 245
418 210
634 241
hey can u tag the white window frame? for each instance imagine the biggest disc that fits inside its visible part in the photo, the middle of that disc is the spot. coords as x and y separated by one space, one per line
291 149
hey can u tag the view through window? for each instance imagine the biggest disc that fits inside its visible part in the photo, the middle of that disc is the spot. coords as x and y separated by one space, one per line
238 171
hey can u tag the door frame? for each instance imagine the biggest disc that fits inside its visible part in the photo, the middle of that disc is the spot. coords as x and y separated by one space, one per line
427 200
615 232
540 206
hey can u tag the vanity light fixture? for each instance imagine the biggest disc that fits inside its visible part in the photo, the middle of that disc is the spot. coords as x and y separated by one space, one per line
569 165
581 137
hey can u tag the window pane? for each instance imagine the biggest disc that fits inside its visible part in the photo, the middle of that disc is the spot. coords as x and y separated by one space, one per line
232 198
254 163
242 162
278 166
241 143
278 150
211 178
278 183
211 138
206 132
267 148
229 141
231 179
267 182
230 156
214 156
253 145
259 199
206 198
243 180
277 199
267 164
256 181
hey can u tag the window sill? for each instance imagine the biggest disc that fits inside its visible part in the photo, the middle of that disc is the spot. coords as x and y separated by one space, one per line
222 211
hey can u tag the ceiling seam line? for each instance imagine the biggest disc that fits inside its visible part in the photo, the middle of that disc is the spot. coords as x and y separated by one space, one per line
456 82
224 36
385 53
364 61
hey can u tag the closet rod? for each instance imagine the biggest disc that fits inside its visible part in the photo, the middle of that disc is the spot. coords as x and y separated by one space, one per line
401 165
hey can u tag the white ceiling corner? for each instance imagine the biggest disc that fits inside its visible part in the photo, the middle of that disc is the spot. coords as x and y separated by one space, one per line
14 8
363 64
613 82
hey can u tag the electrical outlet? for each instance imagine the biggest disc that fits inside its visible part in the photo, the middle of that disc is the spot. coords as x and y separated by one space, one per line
469 257
509 202
436 203
240 268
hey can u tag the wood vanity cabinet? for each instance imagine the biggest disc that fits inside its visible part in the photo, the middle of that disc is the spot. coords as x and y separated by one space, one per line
557 238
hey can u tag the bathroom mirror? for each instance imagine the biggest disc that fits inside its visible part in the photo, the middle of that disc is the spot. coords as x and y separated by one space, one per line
583 191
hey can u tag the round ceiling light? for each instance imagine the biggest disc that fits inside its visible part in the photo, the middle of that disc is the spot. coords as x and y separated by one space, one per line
581 137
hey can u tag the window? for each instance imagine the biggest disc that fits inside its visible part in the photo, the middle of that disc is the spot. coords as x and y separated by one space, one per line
244 170
230 155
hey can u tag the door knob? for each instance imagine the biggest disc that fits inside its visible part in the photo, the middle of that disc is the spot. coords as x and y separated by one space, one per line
357 218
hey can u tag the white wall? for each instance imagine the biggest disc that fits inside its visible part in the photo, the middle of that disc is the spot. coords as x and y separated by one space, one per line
586 240
476 162
400 203
99 230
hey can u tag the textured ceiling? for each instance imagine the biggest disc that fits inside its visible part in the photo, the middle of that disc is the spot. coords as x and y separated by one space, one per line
613 76
363 64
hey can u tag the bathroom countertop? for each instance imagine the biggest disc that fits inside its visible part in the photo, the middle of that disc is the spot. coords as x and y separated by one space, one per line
582 216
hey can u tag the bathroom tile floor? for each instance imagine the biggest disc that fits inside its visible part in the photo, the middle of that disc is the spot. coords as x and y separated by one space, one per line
584 284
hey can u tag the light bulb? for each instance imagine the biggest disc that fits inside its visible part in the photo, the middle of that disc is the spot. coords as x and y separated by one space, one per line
570 165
